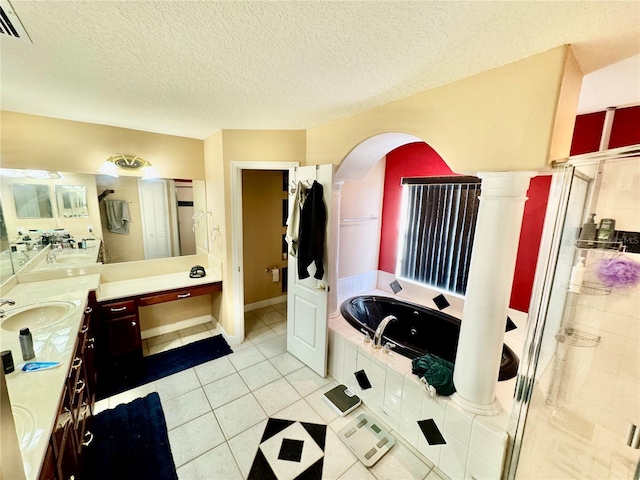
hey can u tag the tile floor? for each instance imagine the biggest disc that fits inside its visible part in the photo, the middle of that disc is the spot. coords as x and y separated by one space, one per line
216 413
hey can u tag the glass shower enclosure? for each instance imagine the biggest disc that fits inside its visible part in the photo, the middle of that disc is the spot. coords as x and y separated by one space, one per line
577 398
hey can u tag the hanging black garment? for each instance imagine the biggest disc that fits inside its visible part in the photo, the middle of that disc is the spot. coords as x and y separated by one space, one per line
313 224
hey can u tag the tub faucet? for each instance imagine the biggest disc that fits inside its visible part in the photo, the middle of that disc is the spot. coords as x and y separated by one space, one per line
377 337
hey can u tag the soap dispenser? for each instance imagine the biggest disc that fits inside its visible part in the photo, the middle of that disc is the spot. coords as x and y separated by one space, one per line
588 233
577 276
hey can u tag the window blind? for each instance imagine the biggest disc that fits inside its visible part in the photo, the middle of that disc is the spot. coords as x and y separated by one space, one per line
439 226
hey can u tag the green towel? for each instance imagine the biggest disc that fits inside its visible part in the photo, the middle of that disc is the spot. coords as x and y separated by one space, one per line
436 371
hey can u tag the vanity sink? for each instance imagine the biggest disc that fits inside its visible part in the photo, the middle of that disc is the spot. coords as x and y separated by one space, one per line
73 259
37 315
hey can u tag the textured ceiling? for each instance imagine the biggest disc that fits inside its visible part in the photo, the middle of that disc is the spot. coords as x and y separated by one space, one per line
189 68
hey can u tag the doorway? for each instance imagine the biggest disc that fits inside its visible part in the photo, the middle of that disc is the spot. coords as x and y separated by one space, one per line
238 234
264 253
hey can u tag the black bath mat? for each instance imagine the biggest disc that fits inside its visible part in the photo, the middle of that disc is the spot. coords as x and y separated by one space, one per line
130 442
164 364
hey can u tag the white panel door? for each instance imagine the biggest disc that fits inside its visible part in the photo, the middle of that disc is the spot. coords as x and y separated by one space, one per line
154 210
307 299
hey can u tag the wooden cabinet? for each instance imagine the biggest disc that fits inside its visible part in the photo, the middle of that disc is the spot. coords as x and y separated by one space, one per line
121 322
71 433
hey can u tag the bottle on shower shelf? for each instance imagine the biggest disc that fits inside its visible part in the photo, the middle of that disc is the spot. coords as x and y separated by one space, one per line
588 233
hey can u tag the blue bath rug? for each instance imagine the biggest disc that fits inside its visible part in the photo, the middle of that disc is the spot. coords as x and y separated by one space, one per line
130 442
155 367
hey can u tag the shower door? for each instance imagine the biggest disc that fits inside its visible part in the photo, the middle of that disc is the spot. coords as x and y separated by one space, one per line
578 392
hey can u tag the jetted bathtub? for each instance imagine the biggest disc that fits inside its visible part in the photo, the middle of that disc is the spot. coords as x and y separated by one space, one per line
417 330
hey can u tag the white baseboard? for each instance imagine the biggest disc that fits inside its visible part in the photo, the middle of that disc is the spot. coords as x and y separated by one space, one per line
175 326
265 303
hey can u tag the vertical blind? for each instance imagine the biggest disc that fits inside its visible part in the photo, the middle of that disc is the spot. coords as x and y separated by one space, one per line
439 226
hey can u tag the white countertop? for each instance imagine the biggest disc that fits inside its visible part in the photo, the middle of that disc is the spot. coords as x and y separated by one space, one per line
35 396
157 283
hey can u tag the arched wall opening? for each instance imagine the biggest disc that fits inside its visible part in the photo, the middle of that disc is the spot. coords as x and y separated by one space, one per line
371 173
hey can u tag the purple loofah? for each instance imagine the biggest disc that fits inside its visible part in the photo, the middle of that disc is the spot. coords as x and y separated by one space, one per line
620 272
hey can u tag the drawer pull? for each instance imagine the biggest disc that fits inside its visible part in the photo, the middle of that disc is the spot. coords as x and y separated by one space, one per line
66 414
91 343
120 309
80 386
88 441
85 329
83 409
76 363
88 310
184 295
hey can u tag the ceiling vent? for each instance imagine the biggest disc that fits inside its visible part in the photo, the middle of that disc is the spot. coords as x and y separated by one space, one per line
10 25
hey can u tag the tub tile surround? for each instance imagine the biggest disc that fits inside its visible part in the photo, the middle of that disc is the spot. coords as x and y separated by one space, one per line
476 444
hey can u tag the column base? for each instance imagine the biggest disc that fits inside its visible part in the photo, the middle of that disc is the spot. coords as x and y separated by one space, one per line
335 314
477 408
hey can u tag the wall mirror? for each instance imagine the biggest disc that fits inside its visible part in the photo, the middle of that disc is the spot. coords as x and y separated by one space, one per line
72 201
181 200
32 201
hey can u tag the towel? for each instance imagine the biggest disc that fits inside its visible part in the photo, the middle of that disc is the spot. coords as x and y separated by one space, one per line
435 372
118 218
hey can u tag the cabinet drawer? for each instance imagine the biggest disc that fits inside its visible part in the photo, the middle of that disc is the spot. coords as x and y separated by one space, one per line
179 294
118 309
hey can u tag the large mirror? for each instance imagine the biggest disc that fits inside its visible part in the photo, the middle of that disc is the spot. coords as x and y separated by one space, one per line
160 215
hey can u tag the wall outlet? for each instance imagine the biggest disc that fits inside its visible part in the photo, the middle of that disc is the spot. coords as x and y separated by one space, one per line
90 228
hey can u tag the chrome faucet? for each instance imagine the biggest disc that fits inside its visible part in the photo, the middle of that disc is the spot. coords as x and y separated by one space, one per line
377 337
5 301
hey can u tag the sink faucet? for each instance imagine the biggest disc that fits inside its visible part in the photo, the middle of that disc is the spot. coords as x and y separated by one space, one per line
5 301
377 337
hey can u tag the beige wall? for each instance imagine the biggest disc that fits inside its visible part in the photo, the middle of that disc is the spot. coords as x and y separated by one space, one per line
214 175
262 232
502 119
221 149
359 247
264 145
31 141
122 248
75 226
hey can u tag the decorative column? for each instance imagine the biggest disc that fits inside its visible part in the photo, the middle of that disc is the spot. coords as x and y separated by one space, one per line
333 247
484 317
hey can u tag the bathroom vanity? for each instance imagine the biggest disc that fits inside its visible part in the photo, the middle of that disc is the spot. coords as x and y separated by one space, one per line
52 409
118 307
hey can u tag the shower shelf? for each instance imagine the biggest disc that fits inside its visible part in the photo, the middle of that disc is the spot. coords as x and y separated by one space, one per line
577 338
599 245
592 288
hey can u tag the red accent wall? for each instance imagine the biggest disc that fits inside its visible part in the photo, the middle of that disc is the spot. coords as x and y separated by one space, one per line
529 246
411 160
626 127
586 133
420 160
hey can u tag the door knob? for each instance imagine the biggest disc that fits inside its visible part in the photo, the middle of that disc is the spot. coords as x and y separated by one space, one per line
320 287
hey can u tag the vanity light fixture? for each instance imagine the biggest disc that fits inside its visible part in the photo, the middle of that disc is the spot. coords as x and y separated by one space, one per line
128 162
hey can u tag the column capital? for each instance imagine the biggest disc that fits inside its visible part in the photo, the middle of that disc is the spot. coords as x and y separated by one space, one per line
505 184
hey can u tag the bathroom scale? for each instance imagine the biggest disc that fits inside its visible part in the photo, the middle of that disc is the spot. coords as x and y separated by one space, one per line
366 439
342 400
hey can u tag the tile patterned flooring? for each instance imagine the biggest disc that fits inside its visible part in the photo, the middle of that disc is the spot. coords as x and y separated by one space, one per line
216 413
